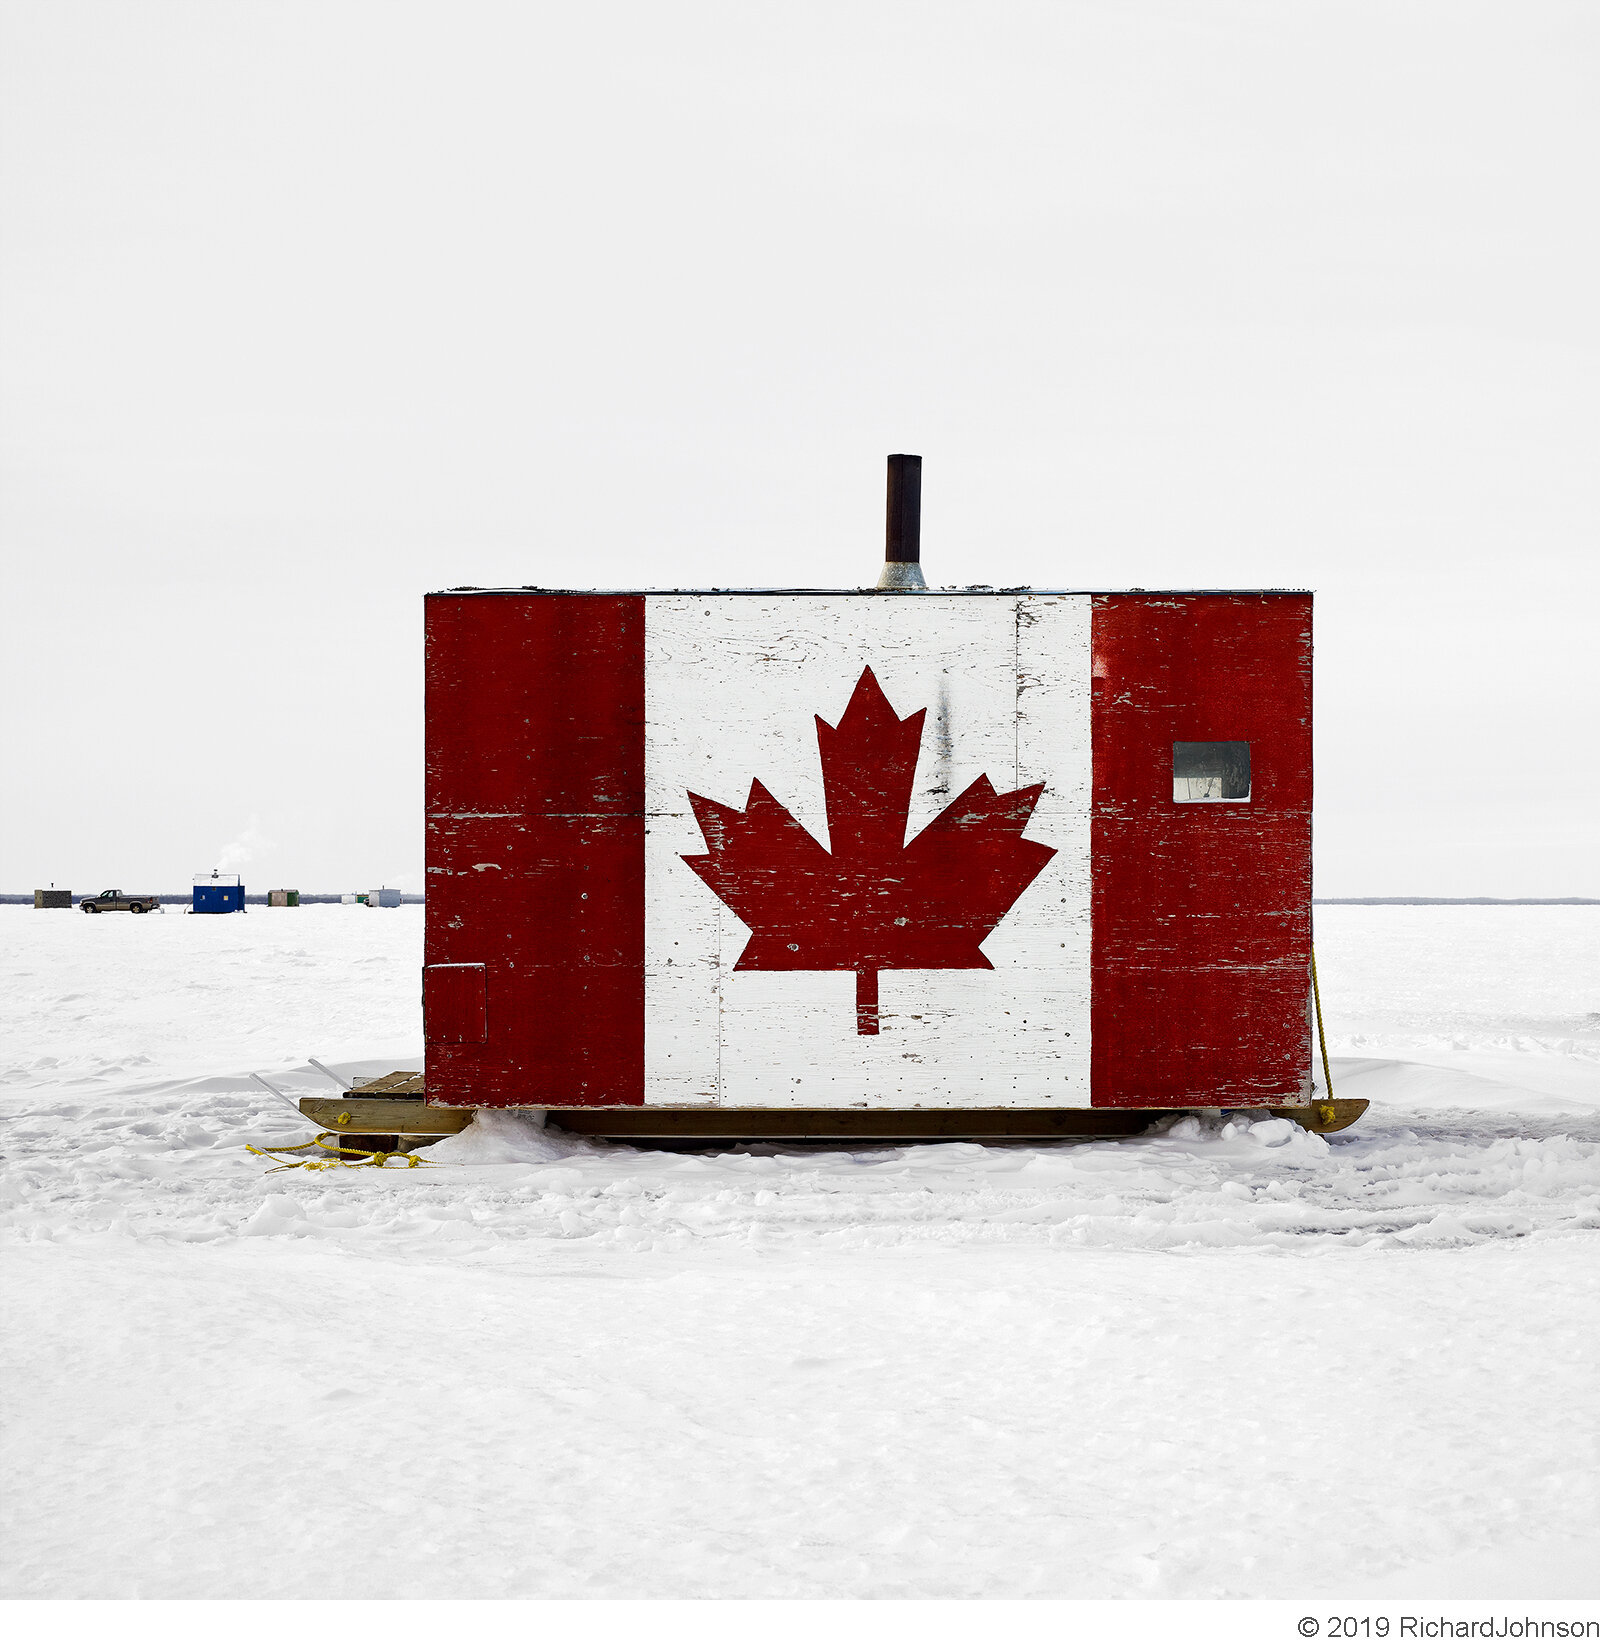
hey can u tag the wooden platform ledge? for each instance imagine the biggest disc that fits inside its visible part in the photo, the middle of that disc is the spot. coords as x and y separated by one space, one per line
391 1105
394 1105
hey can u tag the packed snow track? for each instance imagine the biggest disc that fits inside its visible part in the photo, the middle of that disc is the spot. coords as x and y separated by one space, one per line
1221 1359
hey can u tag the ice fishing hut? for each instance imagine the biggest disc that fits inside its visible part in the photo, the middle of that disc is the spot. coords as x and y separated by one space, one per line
864 856
217 892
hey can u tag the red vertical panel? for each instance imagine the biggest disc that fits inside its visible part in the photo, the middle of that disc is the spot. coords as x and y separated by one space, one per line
1202 911
535 762
455 1003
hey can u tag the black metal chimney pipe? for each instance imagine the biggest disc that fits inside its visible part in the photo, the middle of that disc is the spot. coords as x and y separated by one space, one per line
902 551
903 540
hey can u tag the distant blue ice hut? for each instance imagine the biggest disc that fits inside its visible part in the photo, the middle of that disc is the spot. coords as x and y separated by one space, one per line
217 893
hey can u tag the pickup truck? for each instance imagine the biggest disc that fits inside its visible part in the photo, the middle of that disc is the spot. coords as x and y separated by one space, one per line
113 899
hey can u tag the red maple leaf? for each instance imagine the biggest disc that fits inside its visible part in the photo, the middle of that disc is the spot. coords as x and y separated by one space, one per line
876 901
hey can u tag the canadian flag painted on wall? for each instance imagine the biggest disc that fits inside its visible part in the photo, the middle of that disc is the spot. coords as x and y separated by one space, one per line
834 850
876 898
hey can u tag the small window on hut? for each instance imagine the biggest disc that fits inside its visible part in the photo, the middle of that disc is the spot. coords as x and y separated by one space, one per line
1211 771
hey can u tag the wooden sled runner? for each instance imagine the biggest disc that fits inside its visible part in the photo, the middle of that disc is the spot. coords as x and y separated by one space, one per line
393 1109
385 1115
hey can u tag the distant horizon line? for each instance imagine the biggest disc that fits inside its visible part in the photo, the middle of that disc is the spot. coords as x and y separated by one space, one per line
1347 899
184 899
1451 899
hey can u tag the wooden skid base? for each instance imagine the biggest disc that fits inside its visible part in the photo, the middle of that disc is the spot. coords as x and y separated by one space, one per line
713 1123
393 1106
664 1123
1323 1116
397 1116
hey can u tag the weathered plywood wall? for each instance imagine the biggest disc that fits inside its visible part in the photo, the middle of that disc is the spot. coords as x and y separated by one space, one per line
535 799
1202 914
845 850
734 688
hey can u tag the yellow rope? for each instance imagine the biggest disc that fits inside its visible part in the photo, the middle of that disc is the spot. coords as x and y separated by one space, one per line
342 1159
1316 998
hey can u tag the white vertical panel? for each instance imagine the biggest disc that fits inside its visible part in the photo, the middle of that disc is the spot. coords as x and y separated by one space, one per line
1054 748
732 687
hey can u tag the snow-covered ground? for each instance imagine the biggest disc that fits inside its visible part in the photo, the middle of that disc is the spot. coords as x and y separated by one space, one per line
1213 1361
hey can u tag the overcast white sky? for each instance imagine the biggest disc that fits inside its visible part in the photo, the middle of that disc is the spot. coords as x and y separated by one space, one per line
310 308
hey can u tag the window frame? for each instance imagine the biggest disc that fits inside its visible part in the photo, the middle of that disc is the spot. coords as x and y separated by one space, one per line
1221 774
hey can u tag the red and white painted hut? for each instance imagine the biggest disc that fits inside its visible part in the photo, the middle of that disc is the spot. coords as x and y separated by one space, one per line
956 859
